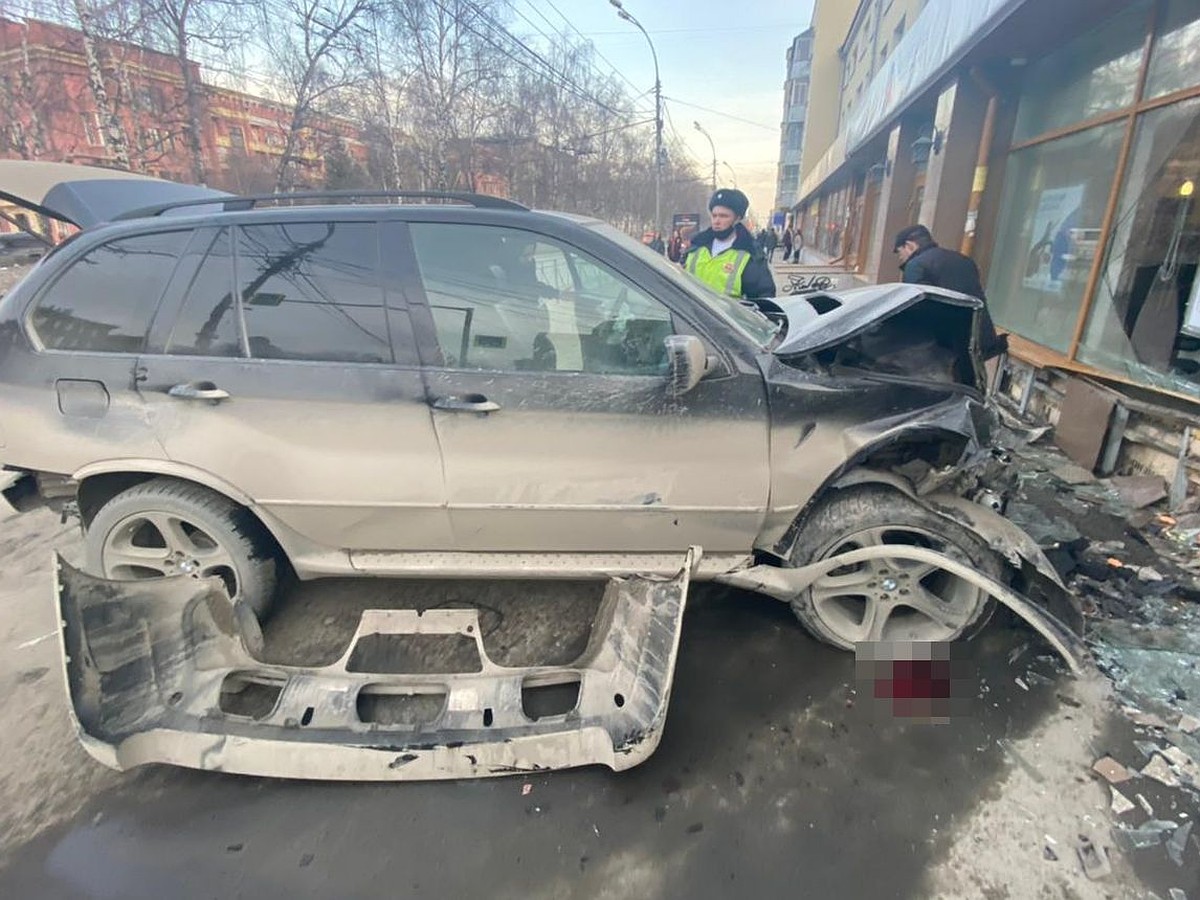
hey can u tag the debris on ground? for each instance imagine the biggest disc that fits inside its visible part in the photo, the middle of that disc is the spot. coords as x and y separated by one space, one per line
1140 491
1160 770
1093 859
1135 565
1178 843
1120 803
1111 770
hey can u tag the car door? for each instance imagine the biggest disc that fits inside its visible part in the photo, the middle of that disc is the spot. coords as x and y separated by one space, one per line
285 375
550 405
73 401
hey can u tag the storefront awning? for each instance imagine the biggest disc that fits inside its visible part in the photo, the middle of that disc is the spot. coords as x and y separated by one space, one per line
944 31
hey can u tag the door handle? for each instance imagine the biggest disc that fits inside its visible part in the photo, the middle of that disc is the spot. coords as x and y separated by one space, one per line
199 390
476 403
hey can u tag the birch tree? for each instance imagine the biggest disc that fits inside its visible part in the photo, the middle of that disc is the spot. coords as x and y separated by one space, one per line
314 47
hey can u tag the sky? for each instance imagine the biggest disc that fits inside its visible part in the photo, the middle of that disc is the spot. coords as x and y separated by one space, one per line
727 57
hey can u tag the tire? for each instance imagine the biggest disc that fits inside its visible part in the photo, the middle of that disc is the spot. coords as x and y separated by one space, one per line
166 527
866 515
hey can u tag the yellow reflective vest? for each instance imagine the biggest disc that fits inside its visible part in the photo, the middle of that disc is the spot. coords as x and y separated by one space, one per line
723 272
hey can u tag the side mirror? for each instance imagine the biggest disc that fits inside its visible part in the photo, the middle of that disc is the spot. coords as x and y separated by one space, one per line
687 362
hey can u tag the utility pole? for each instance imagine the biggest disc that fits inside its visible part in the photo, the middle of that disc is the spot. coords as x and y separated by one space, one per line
713 148
731 172
658 117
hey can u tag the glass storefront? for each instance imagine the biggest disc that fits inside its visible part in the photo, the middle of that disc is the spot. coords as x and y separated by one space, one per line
1142 315
1096 241
1054 200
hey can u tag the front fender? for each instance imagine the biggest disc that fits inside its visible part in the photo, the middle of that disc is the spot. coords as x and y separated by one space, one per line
1040 599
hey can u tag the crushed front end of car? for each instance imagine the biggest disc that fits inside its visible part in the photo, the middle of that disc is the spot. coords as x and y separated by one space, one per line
170 671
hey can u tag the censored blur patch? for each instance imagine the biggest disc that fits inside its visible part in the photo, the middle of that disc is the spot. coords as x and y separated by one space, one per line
918 681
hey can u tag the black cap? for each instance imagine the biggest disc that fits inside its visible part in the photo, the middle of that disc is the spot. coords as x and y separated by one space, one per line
730 198
918 233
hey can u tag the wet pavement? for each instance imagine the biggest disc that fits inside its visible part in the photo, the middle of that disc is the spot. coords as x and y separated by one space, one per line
773 774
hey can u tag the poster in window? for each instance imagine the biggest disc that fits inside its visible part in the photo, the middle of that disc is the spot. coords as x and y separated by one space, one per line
1052 246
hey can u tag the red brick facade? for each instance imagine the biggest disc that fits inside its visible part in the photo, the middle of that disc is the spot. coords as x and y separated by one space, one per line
47 111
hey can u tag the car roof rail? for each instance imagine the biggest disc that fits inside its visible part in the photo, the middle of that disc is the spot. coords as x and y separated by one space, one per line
238 202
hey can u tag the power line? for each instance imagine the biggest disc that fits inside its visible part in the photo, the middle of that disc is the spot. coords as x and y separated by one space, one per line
717 112
591 43
555 77
561 76
593 70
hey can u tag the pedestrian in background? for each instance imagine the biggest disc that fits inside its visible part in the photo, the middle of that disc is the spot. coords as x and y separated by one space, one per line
770 243
726 256
787 244
797 245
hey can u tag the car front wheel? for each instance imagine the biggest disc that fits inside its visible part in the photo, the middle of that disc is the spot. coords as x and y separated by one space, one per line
164 527
886 599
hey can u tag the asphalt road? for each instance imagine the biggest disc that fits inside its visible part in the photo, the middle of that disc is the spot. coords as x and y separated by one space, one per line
774 778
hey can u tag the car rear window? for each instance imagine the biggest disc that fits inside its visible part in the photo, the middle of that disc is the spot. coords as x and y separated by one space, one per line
105 300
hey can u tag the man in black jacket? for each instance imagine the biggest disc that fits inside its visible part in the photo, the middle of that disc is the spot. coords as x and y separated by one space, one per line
924 262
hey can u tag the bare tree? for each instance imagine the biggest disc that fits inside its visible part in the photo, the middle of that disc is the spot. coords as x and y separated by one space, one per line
23 98
179 25
115 138
456 70
313 45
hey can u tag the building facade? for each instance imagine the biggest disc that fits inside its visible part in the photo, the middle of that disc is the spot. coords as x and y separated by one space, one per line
1058 143
877 28
48 111
795 107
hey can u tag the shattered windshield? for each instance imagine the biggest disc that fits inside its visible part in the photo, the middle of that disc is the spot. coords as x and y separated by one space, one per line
753 324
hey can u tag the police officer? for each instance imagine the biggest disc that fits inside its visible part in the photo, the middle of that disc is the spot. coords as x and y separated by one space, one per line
726 257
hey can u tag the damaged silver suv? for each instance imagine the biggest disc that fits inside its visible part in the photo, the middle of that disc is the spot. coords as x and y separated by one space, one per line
238 388
480 390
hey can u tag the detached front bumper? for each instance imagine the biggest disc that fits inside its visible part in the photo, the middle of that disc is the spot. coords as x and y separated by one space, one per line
154 668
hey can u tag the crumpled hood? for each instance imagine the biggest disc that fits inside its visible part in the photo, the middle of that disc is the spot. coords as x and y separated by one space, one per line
85 196
818 320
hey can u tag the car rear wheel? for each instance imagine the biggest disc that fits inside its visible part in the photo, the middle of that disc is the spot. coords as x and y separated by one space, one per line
164 527
888 600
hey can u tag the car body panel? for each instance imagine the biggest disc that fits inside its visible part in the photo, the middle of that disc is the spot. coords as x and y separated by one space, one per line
820 425
342 454
604 463
86 196
151 670
849 313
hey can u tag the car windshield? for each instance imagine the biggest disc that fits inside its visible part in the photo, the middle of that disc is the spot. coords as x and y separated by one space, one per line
753 324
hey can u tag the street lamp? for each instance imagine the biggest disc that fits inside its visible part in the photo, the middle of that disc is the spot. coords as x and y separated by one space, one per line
658 117
731 172
712 147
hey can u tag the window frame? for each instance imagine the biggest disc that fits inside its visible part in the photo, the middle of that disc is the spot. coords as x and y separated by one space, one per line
1129 115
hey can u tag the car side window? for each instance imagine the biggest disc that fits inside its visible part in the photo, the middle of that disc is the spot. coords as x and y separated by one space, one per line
208 322
311 291
105 300
511 300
